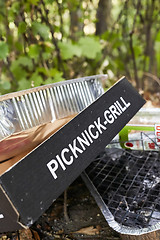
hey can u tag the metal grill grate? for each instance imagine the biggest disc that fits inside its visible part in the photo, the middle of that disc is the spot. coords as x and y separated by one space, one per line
126 186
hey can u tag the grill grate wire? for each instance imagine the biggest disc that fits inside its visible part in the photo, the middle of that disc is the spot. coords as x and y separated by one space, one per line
128 185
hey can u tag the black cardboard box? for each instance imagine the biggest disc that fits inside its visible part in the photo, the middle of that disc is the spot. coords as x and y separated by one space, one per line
30 186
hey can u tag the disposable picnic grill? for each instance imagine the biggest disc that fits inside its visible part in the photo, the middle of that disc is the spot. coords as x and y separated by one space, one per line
31 181
126 186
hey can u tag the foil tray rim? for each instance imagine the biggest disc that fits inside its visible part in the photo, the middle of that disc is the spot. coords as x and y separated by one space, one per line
35 89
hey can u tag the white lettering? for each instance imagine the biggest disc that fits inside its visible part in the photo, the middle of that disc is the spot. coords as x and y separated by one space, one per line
122 108
83 141
68 154
99 125
60 162
114 111
53 169
90 139
124 102
75 149
109 118
66 150
117 105
91 133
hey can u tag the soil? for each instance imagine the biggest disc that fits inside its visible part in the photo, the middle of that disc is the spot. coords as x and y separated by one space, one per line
86 221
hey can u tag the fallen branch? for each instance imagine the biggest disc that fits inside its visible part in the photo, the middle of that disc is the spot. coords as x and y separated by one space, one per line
154 77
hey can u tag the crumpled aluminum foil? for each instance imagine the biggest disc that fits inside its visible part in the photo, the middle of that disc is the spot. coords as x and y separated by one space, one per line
7 118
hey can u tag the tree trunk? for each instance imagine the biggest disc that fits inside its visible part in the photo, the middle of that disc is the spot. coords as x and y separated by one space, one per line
76 26
103 16
149 236
150 84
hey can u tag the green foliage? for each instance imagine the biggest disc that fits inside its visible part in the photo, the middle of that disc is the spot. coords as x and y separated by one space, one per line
157 51
87 47
36 79
5 85
24 61
22 27
34 51
90 47
47 41
24 84
40 28
3 50
69 50
34 2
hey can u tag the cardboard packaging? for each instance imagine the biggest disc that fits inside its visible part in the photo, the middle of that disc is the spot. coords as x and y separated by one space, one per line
33 182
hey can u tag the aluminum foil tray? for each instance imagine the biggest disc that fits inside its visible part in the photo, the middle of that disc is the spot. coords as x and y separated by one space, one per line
29 108
126 186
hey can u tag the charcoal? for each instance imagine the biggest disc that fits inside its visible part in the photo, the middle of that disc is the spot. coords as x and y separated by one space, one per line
129 184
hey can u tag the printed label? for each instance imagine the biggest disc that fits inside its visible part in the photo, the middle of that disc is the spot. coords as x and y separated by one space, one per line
157 133
87 137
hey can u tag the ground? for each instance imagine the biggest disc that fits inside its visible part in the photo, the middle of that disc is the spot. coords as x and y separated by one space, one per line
85 220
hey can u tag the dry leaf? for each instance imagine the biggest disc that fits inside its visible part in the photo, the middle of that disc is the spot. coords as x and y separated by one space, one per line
61 231
25 234
36 235
88 230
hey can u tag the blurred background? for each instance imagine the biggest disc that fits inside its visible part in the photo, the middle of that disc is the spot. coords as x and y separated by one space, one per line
45 41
